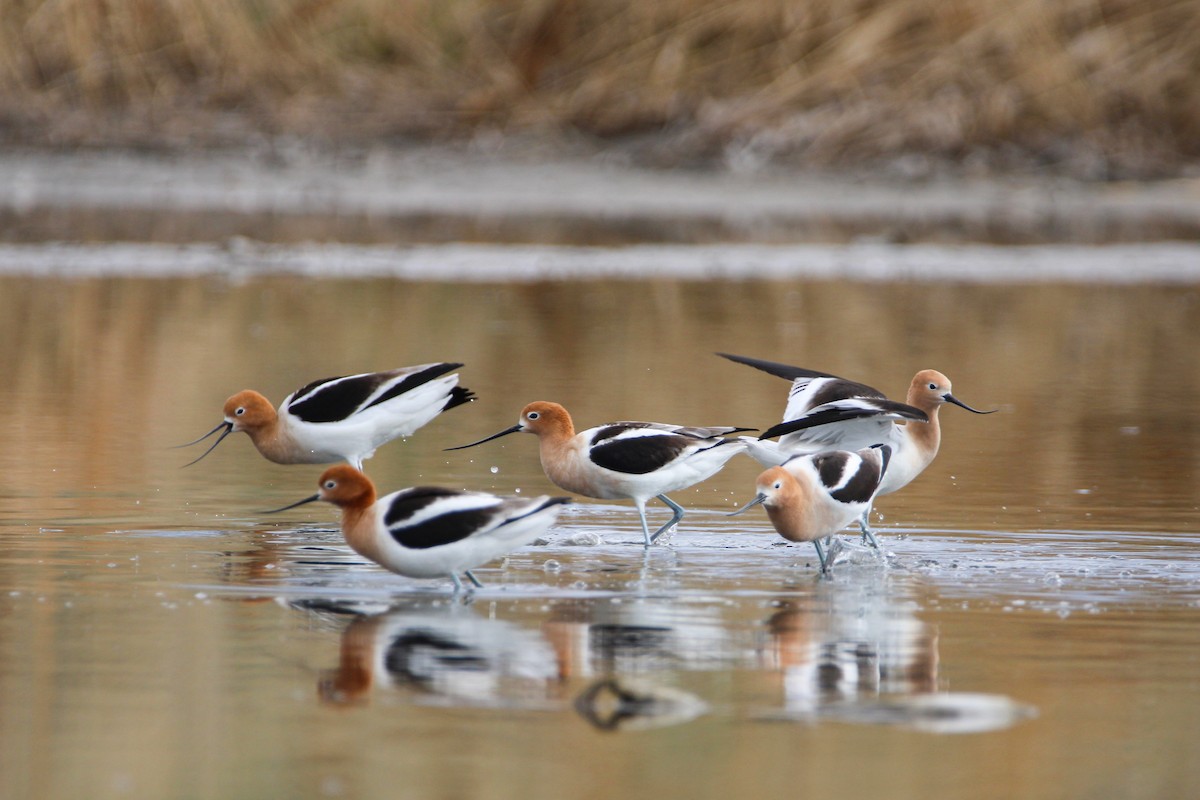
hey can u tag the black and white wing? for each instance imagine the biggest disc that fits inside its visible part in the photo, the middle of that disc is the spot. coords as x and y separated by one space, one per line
339 399
639 448
852 477
424 517
873 412
785 371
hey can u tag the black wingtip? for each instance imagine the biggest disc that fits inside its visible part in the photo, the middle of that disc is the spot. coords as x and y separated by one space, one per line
786 371
459 396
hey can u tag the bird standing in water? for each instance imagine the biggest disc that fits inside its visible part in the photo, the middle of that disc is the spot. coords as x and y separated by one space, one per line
624 460
429 531
811 497
341 419
825 412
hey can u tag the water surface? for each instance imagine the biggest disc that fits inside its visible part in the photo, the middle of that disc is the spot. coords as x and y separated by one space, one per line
1031 631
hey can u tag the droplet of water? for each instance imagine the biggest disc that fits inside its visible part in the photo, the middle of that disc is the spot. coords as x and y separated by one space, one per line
494 470
552 566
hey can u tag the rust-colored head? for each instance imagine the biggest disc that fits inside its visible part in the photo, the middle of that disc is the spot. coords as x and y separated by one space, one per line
344 486
543 417
775 486
248 410
930 389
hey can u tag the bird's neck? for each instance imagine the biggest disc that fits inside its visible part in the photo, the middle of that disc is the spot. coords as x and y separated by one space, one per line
927 436
563 463
274 441
358 528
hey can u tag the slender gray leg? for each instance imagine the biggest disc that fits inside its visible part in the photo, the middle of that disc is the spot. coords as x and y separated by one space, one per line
645 528
473 579
821 556
864 524
458 587
675 516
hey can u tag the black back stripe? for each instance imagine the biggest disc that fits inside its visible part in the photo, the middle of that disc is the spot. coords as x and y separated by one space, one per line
442 529
305 390
639 455
855 488
334 399
616 429
412 381
406 504
831 467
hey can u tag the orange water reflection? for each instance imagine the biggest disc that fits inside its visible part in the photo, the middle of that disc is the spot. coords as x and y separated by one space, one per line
1095 383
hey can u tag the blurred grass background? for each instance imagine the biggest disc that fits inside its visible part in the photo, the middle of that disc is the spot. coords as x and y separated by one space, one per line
1091 88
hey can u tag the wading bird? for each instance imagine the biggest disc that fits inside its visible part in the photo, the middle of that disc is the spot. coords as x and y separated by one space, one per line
428 531
624 460
825 412
811 497
341 419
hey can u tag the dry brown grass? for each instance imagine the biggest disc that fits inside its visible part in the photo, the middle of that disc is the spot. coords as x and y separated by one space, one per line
1094 86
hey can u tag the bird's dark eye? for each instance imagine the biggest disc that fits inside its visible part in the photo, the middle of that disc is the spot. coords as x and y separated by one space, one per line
330 484
933 386
532 415
240 411
778 484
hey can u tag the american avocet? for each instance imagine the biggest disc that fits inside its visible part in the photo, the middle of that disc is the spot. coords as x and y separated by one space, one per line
341 419
810 497
825 412
634 460
464 658
428 531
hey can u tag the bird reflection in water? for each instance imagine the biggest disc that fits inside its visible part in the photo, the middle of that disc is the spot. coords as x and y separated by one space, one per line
627 704
826 657
875 666
447 656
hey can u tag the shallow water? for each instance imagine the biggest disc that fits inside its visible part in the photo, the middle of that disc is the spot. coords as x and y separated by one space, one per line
1031 631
